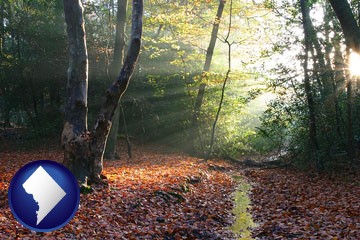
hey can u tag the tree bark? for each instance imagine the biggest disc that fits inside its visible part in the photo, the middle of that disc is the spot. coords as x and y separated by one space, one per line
309 96
110 150
209 54
214 34
75 132
348 23
83 149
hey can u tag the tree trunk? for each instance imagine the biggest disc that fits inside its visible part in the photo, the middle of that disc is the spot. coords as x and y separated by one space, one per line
349 124
309 96
319 61
127 138
75 136
212 138
349 109
214 34
2 27
159 31
110 151
339 78
348 23
209 55
83 150
351 32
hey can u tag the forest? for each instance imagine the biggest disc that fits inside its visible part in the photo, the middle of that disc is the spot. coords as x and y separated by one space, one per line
186 119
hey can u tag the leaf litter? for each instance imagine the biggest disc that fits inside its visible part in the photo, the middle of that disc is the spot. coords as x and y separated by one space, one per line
151 196
288 204
167 196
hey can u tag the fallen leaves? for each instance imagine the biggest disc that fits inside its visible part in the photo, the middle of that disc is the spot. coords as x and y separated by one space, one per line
174 196
152 196
288 204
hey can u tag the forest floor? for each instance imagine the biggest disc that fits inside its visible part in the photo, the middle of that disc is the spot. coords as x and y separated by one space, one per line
167 195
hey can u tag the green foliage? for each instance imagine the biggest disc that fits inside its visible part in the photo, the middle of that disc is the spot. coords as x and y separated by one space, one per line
286 121
86 189
243 104
32 64
159 102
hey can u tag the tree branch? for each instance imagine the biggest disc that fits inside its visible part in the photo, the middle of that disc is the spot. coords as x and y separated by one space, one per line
118 87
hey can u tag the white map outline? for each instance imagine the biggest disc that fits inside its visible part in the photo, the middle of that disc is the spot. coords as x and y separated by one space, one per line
46 192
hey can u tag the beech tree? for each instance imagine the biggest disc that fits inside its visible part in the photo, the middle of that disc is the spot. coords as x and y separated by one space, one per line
83 148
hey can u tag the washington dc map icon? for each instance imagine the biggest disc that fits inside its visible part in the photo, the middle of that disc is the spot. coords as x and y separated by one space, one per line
44 196
46 192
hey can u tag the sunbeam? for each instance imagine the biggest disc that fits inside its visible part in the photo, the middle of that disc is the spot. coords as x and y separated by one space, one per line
354 65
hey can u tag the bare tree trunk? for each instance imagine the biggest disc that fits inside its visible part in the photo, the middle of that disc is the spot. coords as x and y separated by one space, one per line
348 23
209 55
127 138
75 136
214 34
224 83
110 150
111 142
159 31
332 96
320 68
339 78
308 91
83 149
349 123
349 109
351 31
